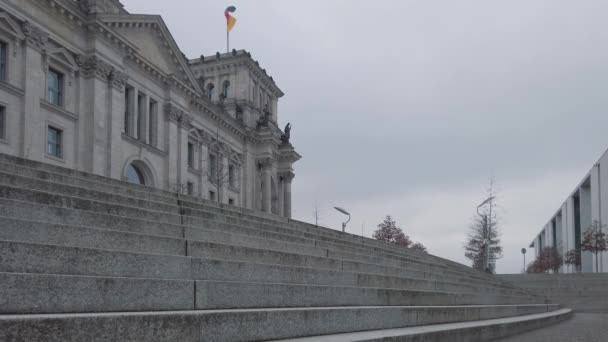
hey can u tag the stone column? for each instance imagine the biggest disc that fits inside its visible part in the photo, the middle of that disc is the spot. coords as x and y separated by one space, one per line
142 118
32 124
95 116
118 81
287 178
266 190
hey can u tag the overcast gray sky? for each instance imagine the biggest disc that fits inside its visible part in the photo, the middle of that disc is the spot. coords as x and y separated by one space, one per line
408 108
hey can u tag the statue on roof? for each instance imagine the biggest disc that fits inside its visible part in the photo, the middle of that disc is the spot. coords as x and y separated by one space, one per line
285 137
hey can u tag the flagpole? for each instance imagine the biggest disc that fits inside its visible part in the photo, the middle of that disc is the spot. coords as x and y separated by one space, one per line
227 41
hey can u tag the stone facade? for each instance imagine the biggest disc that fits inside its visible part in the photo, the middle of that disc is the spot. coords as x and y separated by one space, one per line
89 86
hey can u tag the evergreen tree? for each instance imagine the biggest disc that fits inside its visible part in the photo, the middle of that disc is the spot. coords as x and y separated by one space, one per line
389 232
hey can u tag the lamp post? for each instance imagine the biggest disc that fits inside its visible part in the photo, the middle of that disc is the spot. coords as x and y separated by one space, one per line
345 213
486 229
523 251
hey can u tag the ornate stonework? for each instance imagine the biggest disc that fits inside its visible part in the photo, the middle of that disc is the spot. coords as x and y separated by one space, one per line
118 79
93 66
178 116
265 163
286 176
34 36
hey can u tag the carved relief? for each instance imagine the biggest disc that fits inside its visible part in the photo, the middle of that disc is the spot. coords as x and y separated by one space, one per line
94 66
286 176
265 163
34 36
178 116
118 79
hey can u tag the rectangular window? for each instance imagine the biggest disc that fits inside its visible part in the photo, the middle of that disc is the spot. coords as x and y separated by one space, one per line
231 176
54 141
212 195
231 201
190 188
153 125
128 109
141 117
212 166
2 122
55 87
3 60
190 155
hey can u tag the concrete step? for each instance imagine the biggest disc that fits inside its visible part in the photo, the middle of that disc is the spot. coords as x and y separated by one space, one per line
146 193
21 257
192 215
24 293
240 325
476 331
76 203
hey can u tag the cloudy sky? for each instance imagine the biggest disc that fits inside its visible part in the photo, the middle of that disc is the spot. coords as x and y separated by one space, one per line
409 108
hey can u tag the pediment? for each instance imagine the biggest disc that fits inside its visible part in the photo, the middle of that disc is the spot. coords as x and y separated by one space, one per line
10 26
154 43
62 56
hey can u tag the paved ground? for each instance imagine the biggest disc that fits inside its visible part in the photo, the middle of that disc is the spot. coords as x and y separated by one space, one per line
583 327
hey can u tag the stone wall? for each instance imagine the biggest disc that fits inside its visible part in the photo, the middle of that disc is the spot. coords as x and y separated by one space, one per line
581 292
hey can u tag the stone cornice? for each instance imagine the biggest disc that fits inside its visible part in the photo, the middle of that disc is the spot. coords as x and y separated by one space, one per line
155 22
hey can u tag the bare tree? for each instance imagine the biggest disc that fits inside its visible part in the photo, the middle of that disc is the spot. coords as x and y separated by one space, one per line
548 260
573 257
594 241
484 230
217 173
389 232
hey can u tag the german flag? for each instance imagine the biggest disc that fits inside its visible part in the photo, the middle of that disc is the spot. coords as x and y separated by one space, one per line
230 20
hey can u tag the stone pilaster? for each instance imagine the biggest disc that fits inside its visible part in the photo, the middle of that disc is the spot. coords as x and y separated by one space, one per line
33 125
96 111
116 89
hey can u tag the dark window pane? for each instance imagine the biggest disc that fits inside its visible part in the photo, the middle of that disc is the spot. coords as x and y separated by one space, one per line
134 175
54 142
3 60
55 87
2 123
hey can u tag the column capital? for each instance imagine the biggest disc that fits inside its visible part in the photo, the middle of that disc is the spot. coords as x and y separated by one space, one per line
178 116
93 66
118 79
35 37
265 163
286 176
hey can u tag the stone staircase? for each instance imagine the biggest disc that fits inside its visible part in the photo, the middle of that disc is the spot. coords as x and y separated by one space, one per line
87 258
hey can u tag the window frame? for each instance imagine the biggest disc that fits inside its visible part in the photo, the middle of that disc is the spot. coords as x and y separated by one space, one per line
190 155
3 122
4 53
190 188
58 152
212 167
60 85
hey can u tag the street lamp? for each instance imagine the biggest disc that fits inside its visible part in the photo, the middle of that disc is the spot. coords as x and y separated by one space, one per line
486 229
345 213
523 251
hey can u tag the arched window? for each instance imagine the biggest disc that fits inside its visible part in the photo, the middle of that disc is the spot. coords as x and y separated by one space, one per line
134 175
226 89
210 87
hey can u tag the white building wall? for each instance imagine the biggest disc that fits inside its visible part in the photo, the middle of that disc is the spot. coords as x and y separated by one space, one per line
97 66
